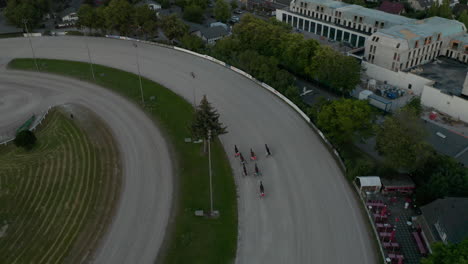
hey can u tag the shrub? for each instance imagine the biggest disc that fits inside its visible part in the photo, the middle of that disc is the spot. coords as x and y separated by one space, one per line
25 139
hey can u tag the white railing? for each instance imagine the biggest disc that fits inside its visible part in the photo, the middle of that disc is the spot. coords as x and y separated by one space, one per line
33 127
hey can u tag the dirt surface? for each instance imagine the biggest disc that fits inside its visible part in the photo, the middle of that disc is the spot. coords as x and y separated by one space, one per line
309 214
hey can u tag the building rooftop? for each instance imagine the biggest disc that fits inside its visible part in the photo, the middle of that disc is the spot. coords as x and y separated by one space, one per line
399 180
448 75
453 145
214 32
449 216
378 15
418 29
391 7
462 38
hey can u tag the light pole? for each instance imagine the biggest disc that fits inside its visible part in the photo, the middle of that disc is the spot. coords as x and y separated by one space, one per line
30 42
139 74
209 168
89 55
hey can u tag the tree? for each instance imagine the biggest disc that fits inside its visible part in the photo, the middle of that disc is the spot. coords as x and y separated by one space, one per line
164 3
100 22
119 16
464 17
25 139
201 3
30 10
441 176
145 19
192 43
193 13
445 10
234 5
342 73
87 16
401 139
297 53
441 10
448 254
346 119
221 11
206 119
415 105
173 27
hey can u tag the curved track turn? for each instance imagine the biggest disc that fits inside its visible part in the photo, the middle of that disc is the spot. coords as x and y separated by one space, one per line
310 214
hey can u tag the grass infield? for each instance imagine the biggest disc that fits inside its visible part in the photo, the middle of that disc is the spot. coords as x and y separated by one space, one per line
192 239
55 198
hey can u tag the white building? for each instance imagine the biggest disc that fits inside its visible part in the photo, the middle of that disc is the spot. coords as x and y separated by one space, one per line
337 20
405 46
70 18
400 51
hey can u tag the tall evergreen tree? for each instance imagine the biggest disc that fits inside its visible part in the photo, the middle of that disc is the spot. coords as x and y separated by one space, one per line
206 119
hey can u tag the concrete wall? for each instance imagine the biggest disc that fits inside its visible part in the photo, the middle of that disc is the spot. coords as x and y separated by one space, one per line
399 79
454 106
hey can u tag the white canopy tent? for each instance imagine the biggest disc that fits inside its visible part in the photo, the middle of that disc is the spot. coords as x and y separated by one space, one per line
369 183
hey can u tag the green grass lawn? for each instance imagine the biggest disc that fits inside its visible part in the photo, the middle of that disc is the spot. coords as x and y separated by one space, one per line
11 35
54 197
193 239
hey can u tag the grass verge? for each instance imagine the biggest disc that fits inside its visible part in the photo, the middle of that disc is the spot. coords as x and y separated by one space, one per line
11 35
54 198
191 239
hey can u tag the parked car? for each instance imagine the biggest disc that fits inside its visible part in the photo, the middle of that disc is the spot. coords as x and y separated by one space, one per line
238 11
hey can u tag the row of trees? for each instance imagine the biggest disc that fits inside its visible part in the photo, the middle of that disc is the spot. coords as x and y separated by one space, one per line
30 10
268 50
119 16
400 139
443 9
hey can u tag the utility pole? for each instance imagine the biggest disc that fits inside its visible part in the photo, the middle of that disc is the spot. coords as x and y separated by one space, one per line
89 55
209 168
25 21
139 74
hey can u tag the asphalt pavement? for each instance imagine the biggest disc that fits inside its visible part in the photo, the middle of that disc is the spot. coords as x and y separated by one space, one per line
310 213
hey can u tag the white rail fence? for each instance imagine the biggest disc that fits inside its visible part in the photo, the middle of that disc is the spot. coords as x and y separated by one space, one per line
10 136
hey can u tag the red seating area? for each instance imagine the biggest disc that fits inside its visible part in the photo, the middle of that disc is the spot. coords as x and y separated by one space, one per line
421 247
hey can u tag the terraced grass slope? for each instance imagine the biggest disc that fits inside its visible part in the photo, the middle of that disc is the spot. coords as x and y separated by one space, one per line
55 199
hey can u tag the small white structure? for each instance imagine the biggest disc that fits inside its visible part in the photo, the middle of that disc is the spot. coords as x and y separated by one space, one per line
72 17
154 6
364 94
369 183
219 24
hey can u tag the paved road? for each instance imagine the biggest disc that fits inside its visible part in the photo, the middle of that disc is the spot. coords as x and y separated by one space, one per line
310 214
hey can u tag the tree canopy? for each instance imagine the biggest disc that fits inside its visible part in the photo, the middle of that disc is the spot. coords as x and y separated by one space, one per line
222 11
119 16
145 19
25 139
439 177
342 73
193 13
345 119
448 254
205 121
173 26
401 139
290 51
464 17
442 10
30 10
193 43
